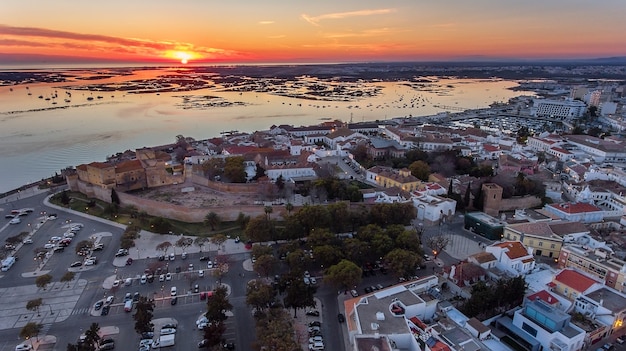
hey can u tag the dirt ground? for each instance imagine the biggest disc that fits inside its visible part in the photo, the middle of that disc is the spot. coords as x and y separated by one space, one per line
196 196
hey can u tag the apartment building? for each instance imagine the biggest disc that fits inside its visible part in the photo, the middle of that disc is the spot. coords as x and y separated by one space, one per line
606 306
596 262
568 109
545 238
386 314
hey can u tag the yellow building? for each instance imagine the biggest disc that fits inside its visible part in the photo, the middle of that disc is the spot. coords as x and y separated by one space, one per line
389 177
545 238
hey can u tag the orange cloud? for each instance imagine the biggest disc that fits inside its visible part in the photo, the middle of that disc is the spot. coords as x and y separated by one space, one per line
30 37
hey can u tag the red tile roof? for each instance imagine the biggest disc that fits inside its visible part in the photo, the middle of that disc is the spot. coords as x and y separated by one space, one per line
576 207
516 249
574 279
490 148
545 296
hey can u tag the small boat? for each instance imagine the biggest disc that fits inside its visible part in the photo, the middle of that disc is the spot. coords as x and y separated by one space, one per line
41 96
89 98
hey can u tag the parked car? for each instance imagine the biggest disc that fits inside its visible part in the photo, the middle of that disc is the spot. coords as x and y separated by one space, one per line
341 318
205 258
129 261
76 264
27 241
162 278
168 276
105 310
143 279
173 291
23 347
313 313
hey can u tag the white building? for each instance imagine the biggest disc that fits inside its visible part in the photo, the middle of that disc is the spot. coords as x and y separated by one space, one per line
513 257
558 109
539 325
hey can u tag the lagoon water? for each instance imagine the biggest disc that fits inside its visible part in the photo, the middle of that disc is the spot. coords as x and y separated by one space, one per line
38 137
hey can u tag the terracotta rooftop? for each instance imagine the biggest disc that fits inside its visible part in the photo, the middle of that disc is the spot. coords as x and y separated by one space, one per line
515 249
574 279
545 296
575 207
484 257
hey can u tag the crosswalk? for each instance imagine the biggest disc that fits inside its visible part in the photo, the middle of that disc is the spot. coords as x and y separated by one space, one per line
45 328
79 311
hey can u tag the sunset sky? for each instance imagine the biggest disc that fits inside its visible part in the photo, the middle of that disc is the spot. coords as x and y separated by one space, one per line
264 31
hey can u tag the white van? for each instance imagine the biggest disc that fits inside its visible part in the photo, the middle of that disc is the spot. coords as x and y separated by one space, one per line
316 346
128 305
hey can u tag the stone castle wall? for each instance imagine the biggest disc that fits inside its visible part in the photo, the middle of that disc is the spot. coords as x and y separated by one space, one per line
236 188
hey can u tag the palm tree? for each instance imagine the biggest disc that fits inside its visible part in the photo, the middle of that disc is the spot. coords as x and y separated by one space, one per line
289 207
67 277
212 219
268 211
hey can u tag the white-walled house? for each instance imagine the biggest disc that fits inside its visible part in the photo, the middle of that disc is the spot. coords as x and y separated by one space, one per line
513 257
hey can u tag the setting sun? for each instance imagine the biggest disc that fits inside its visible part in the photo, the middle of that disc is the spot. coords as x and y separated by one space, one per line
184 57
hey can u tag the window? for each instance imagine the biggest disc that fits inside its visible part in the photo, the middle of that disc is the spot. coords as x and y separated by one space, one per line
541 243
552 246
530 330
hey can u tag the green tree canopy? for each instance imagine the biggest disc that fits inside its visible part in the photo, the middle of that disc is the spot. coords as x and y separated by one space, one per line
344 274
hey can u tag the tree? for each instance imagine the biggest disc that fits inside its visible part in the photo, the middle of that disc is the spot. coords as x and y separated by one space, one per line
420 169
217 305
184 243
259 295
402 263
242 220
264 265
268 211
437 243
33 305
468 193
115 199
289 207
67 277
259 229
30 329
218 240
143 315
328 255
234 169
200 241
409 240
92 335
213 333
299 295
42 281
212 220
164 246
344 274
65 198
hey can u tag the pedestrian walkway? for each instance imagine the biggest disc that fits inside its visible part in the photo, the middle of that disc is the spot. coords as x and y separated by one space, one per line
460 247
